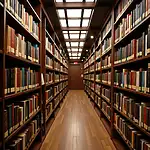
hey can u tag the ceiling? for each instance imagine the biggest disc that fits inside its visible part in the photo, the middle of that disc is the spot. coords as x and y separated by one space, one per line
77 24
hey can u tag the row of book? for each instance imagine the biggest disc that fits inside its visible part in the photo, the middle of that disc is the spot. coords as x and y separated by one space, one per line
106 109
49 62
91 68
106 93
49 109
136 48
133 137
92 59
20 79
106 77
98 79
107 28
98 54
63 77
57 77
106 45
136 111
86 65
49 94
132 19
98 100
49 45
56 89
138 80
97 88
98 65
49 77
23 139
106 62
120 8
17 113
57 65
19 46
21 14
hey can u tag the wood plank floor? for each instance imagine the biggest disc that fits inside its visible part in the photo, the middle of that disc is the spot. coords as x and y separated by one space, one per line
77 127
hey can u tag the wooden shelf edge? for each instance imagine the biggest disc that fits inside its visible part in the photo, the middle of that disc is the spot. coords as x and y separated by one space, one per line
21 127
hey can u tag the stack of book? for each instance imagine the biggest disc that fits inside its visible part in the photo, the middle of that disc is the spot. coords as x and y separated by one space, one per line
16 114
49 77
20 79
106 62
23 139
106 45
49 109
49 94
106 77
106 109
57 77
48 45
98 65
138 80
97 88
106 93
98 77
21 14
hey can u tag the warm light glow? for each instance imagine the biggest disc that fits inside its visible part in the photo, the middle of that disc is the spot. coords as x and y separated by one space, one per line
74 49
74 36
80 49
74 54
59 0
92 36
82 36
87 50
74 13
66 36
69 49
65 31
87 13
74 31
81 43
74 22
79 54
61 13
85 22
74 0
69 54
74 43
63 22
67 44
84 32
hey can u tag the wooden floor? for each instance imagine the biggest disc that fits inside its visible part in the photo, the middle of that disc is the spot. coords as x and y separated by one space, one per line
77 127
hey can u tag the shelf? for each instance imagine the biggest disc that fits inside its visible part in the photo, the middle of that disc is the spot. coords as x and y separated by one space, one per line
135 29
133 92
31 10
11 19
137 60
106 51
49 84
135 124
124 11
36 134
126 142
10 96
22 60
49 100
21 127
106 35
106 99
89 80
89 72
49 53
105 115
106 68
103 83
49 69
57 82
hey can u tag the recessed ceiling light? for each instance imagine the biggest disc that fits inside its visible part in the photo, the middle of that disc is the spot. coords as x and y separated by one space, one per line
92 36
87 50
61 13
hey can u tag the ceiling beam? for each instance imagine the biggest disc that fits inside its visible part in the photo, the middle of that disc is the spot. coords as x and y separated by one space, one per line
76 5
75 40
75 28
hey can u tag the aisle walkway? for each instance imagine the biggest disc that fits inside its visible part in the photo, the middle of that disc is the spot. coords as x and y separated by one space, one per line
77 127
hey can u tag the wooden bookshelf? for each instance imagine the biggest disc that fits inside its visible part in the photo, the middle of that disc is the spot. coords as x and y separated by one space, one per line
36 63
135 32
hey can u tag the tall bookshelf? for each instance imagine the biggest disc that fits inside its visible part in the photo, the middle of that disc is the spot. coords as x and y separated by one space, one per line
31 88
121 75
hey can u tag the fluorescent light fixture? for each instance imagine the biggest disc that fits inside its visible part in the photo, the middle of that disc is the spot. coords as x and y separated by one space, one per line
80 49
79 54
74 36
89 0
87 50
74 57
61 13
65 32
70 54
74 49
69 49
92 37
74 54
66 36
74 43
74 13
87 13
59 0
81 43
67 44
63 22
85 22
74 22
74 0
83 32
82 36
74 32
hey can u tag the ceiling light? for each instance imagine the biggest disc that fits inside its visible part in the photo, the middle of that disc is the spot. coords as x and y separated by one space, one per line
79 54
83 32
74 43
92 37
80 49
67 44
61 13
74 31
59 0
87 13
66 36
69 49
85 22
81 43
74 0
82 36
74 13
70 54
74 54
74 22
74 49
74 36
63 22
87 50
65 32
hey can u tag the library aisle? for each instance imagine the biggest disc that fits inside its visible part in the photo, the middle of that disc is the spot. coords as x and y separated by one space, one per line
77 127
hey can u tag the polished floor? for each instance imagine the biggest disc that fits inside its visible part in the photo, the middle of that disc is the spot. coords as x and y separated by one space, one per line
77 127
